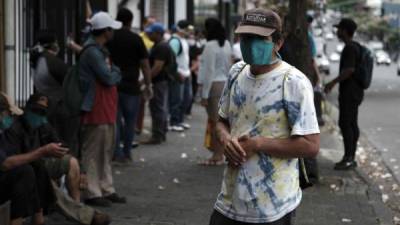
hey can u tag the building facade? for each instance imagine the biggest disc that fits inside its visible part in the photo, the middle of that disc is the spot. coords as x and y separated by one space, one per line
20 20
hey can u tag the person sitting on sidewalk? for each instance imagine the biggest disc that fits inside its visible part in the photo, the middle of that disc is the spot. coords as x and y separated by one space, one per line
21 181
267 120
161 59
351 93
32 130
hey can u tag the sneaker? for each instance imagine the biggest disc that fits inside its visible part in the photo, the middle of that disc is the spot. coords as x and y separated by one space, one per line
177 128
101 219
115 198
185 126
135 144
100 202
345 165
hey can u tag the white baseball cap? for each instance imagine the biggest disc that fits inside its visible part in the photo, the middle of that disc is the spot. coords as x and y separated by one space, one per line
103 20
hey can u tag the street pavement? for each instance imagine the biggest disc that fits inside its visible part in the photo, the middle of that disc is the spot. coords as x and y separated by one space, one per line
379 114
165 186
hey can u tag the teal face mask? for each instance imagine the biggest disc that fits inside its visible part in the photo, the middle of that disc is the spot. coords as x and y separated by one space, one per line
34 120
6 122
257 51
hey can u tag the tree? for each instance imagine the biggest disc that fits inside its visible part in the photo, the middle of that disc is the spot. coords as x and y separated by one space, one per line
297 37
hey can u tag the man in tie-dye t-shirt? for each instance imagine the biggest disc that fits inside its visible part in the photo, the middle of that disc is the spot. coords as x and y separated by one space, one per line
267 121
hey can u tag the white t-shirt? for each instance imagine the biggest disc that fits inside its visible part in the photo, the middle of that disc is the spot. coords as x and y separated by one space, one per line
265 188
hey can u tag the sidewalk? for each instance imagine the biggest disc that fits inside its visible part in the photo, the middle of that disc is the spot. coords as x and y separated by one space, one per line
165 186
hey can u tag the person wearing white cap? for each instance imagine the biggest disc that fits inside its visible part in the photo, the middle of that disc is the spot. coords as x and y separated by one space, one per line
98 80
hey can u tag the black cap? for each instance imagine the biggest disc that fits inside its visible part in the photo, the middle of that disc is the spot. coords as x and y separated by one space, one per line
258 21
183 24
347 24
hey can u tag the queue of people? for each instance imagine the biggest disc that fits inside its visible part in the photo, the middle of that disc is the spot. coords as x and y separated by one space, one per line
48 147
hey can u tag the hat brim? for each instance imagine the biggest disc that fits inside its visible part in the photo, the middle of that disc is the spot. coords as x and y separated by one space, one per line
15 110
249 29
116 25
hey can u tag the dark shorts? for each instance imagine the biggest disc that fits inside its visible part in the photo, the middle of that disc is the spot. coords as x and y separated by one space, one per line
57 167
218 219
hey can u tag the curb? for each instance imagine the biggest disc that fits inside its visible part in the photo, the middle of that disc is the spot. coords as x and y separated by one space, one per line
373 192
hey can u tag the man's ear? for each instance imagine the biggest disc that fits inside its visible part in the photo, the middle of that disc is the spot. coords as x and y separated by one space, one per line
278 44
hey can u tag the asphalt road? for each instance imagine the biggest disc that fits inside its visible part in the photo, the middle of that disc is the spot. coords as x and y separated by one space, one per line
379 116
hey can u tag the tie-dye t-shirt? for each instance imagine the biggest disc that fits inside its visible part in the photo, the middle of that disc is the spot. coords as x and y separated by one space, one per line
265 188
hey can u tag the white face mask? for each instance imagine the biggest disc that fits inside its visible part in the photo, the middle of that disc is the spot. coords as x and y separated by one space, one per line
167 36
191 42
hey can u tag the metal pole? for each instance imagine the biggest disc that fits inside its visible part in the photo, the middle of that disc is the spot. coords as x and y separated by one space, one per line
9 47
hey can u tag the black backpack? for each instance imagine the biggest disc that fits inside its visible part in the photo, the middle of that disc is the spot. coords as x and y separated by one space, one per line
72 94
364 69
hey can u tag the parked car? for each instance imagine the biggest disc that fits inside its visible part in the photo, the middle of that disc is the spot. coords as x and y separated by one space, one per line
323 63
334 57
382 57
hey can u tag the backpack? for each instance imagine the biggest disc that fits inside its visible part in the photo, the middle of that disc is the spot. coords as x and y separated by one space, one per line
364 69
72 94
172 67
180 44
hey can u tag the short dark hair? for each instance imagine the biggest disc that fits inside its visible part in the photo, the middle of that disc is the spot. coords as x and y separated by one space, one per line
125 16
99 32
215 31
46 37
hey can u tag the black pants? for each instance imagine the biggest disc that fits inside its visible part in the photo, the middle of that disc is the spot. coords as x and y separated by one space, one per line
19 186
159 110
348 123
219 219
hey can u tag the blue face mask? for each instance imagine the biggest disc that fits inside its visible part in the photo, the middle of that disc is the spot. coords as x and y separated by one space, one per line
34 120
257 51
6 122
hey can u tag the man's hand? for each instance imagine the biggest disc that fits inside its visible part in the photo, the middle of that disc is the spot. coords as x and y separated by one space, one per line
148 93
204 102
54 150
234 153
181 78
329 86
249 145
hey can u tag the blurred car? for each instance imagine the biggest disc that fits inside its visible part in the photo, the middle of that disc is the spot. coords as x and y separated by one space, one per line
334 57
329 36
339 47
323 63
375 45
317 32
382 57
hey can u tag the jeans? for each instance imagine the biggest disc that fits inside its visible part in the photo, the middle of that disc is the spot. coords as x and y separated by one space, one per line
180 99
219 219
175 100
128 109
187 96
158 110
348 123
